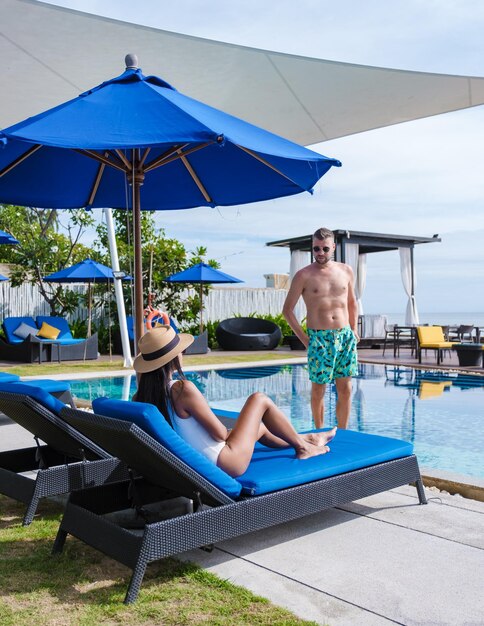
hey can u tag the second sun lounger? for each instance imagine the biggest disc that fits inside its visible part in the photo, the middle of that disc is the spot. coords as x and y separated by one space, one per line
61 460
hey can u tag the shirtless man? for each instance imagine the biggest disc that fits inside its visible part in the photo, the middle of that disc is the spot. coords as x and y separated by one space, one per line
332 314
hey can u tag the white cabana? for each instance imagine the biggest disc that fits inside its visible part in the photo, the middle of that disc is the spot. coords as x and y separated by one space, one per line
352 248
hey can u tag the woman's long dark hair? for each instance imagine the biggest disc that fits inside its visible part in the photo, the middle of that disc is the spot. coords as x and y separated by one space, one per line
153 387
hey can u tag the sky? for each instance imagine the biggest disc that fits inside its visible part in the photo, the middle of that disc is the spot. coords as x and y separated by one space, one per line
418 178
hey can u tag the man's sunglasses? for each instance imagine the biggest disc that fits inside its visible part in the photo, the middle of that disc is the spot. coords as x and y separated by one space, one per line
326 249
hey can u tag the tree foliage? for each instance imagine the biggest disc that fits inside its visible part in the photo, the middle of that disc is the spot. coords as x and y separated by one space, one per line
161 257
50 240
46 244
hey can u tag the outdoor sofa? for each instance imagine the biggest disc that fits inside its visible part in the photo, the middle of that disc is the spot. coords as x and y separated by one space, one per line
276 488
22 342
62 458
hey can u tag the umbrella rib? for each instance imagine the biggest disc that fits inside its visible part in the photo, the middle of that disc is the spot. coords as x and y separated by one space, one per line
144 157
124 159
19 160
160 160
267 164
196 180
101 159
170 157
95 187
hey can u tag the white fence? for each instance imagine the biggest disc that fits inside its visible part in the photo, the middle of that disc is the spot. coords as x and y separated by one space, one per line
220 304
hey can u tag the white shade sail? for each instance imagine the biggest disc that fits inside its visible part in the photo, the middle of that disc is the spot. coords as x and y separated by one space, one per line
50 54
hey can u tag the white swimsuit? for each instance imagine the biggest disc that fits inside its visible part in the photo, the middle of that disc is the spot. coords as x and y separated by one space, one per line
195 434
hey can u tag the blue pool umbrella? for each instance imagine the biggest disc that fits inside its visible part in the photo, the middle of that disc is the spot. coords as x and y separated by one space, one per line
202 274
3 278
84 272
87 271
6 238
174 151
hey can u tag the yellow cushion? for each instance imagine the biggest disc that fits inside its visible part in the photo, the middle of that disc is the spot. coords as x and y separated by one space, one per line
48 332
430 334
438 344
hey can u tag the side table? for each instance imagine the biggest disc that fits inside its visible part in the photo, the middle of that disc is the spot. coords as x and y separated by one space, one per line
469 353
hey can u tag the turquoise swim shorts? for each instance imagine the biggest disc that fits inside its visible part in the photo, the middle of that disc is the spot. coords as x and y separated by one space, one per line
331 354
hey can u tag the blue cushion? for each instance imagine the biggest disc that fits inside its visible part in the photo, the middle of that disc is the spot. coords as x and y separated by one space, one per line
38 394
272 469
8 378
10 324
56 322
49 385
149 418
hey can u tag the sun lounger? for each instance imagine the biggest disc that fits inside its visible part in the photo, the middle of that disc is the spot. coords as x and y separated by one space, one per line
60 389
67 460
276 488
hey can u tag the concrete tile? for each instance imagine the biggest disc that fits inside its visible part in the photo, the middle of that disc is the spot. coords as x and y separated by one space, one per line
379 569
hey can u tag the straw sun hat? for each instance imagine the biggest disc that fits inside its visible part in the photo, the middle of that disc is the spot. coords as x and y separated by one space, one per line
158 347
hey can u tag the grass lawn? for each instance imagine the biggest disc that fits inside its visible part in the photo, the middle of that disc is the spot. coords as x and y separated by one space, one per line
116 364
83 587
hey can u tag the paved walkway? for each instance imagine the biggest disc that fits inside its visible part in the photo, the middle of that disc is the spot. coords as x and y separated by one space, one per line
380 560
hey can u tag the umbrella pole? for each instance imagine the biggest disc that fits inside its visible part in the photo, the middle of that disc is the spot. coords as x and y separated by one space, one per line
89 308
201 308
137 181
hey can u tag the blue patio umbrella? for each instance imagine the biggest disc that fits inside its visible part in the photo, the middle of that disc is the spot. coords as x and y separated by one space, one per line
202 274
6 238
87 271
3 278
174 152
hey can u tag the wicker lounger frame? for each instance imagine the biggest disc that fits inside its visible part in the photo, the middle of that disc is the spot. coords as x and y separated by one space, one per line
84 516
68 461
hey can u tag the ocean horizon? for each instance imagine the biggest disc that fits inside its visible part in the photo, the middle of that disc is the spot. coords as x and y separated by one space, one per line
437 318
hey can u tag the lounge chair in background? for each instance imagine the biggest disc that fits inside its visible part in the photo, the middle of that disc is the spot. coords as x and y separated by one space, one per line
462 333
60 389
276 488
432 338
66 461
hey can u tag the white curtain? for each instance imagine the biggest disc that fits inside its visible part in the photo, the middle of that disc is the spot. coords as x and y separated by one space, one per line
357 262
408 279
299 259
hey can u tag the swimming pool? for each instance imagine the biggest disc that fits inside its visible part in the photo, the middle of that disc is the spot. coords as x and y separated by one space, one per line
442 414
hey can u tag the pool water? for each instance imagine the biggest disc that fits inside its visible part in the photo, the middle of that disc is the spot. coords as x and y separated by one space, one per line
442 414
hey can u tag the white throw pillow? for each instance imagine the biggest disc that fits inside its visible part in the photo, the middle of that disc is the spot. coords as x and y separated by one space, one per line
24 330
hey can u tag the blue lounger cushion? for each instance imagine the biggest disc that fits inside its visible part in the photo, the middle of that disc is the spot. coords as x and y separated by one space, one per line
5 377
270 469
273 469
40 395
47 384
149 418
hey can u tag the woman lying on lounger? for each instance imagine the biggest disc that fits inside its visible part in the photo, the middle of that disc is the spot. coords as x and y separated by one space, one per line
189 414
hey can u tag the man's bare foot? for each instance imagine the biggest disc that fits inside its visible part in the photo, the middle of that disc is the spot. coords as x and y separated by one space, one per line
321 439
311 450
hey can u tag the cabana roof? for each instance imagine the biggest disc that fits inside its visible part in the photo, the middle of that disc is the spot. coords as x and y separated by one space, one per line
368 242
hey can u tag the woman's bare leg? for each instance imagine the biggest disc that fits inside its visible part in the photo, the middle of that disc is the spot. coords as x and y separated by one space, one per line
235 456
